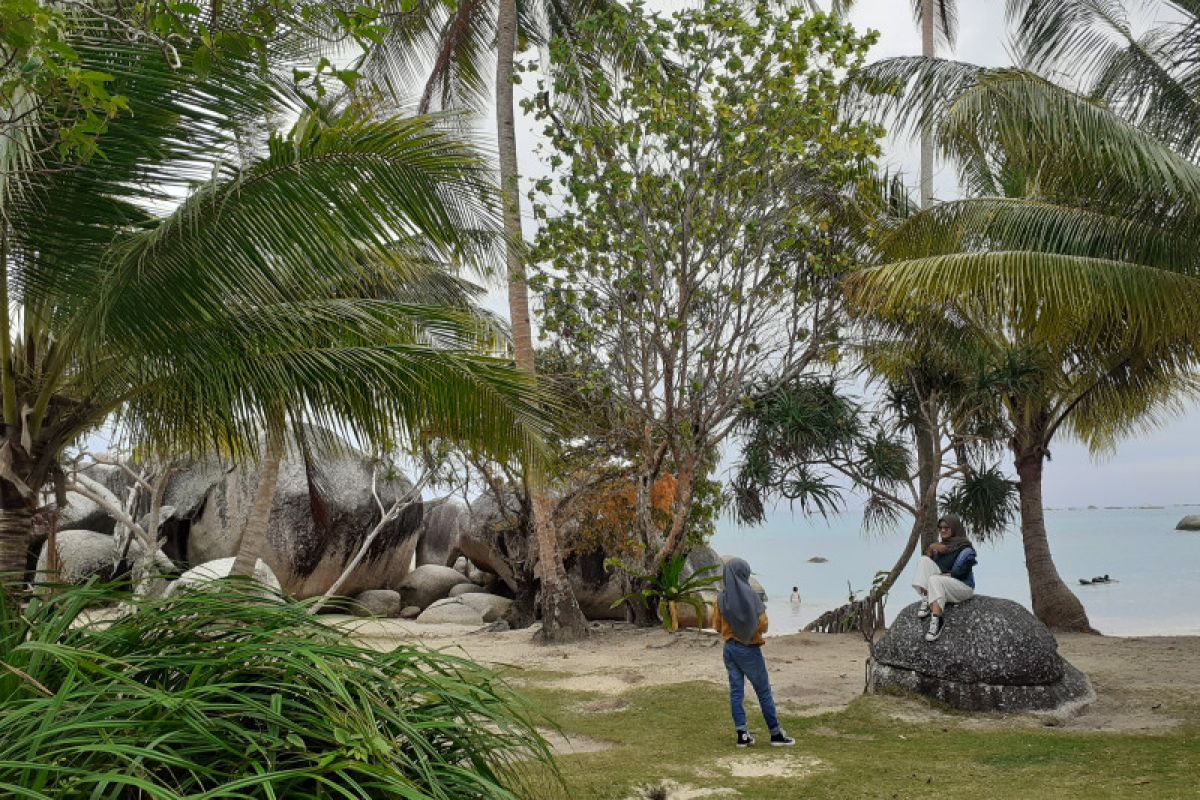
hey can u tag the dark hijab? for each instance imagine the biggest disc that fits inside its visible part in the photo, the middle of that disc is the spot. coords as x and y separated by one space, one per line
958 540
740 605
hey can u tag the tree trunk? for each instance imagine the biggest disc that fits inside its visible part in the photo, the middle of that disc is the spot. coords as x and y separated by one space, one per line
16 528
254 535
902 562
928 467
684 492
562 619
1053 602
927 50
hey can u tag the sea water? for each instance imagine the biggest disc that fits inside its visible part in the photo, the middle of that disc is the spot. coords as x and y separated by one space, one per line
1155 570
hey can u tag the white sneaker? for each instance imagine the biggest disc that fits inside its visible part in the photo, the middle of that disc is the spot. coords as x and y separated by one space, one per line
923 610
935 629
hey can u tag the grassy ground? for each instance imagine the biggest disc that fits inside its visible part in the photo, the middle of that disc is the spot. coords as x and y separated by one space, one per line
880 747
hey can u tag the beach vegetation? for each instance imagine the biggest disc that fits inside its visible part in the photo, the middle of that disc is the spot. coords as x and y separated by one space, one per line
668 588
237 693
154 280
691 238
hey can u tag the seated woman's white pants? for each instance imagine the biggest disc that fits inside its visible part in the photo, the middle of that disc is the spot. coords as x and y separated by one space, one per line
940 589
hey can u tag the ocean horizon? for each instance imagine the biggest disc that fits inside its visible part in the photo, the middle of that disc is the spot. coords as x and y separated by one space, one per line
1155 570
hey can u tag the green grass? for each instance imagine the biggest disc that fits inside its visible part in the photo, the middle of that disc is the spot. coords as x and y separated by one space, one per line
682 733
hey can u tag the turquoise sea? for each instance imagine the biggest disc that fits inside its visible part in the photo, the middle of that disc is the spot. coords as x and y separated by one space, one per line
1155 569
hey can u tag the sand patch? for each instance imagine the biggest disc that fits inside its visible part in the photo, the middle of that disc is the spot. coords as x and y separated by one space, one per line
574 745
670 790
789 765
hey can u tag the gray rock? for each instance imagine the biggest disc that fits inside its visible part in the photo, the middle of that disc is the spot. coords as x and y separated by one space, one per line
377 603
321 513
466 588
428 583
410 612
451 610
489 606
438 535
1189 523
993 655
596 588
461 564
818 560
88 554
201 576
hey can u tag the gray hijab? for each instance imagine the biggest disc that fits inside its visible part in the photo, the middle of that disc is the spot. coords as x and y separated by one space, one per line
740 604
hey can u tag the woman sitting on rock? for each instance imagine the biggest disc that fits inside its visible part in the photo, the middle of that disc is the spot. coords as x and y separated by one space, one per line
945 573
741 619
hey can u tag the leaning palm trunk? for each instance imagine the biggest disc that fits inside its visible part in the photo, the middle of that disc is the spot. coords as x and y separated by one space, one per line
562 619
254 535
1053 603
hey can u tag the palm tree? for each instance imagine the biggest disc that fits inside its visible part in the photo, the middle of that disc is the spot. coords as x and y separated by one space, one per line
1069 258
306 274
459 34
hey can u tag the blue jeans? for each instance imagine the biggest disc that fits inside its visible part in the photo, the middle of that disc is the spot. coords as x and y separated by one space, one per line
741 662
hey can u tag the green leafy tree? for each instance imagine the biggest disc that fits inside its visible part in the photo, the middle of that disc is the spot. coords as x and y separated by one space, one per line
201 289
447 45
693 243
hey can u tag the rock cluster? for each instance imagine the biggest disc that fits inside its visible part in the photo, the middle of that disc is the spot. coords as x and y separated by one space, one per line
1189 523
993 655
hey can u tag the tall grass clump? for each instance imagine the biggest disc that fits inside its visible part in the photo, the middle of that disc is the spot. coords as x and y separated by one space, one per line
233 694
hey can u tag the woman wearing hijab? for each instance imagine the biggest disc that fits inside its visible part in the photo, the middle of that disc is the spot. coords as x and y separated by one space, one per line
741 619
945 574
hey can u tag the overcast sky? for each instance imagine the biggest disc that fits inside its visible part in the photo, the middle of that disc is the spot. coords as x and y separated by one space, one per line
1160 467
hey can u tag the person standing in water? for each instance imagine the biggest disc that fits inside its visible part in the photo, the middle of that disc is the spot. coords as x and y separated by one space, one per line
794 599
741 619
945 574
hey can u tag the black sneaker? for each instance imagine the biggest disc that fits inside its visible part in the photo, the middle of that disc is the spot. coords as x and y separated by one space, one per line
781 739
935 629
744 739
923 610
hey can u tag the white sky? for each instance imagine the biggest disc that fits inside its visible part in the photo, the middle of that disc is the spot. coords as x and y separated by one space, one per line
1160 467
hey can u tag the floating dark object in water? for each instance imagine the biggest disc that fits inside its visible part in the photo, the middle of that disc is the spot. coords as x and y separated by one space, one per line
1097 579
1085 581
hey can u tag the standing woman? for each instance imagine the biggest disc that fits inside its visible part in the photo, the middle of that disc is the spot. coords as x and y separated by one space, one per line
741 619
945 574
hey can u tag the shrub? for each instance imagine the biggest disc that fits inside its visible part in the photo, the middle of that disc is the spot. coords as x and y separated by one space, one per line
236 695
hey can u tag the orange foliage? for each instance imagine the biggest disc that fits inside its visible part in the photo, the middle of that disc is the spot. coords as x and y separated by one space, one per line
607 516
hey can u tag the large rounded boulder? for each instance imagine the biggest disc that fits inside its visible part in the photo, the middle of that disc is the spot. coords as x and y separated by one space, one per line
322 512
427 584
91 554
993 655
437 540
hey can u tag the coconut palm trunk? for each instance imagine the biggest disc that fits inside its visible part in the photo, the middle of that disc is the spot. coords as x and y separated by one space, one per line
1053 603
562 619
254 542
927 50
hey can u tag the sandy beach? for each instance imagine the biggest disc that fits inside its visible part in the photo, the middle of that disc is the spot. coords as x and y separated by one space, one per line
1138 681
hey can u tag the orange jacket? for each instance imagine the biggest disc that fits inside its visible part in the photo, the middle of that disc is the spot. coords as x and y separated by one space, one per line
722 627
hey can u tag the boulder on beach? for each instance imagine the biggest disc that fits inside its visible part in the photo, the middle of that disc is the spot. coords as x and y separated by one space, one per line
428 583
1189 523
452 610
466 588
491 607
377 603
993 655
410 612
201 576
437 538
322 511
596 588
818 560
91 554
